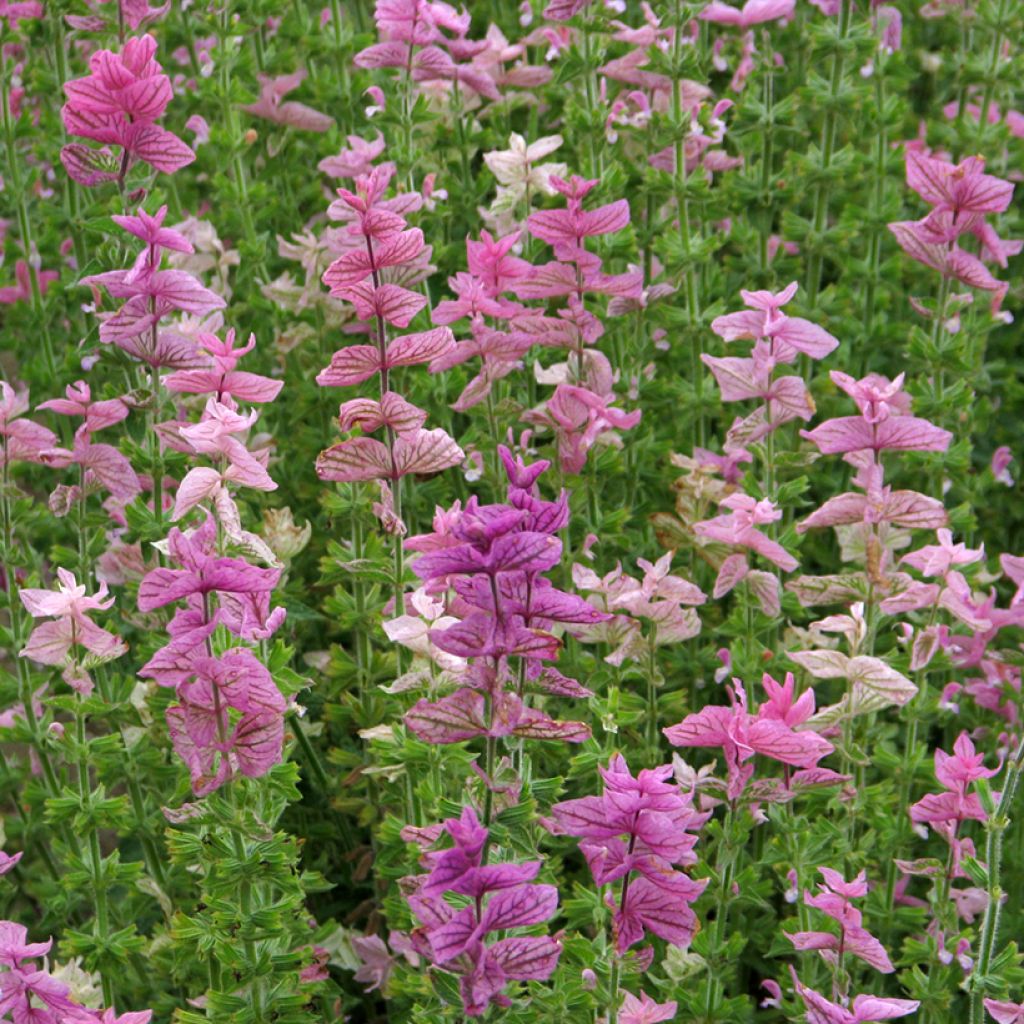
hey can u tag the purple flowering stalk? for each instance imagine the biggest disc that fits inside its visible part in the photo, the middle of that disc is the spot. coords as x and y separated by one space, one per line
635 837
457 936
494 558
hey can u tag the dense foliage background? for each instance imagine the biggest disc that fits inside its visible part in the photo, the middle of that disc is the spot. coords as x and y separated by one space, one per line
753 149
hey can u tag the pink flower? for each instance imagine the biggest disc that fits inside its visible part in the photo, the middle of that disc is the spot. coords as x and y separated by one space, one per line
566 229
938 559
863 1009
20 10
645 1010
739 528
69 607
1005 1012
8 861
741 735
78 402
753 12
221 378
580 417
118 103
21 291
878 504
883 424
1001 459
833 900
213 742
29 993
946 811
636 831
202 572
103 465
788 335
289 113
21 440
376 961
960 189
150 230
151 293
354 161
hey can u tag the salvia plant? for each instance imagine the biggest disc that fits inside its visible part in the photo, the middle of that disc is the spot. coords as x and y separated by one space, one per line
511 512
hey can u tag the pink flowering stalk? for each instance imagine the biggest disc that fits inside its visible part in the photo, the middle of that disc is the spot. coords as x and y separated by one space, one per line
118 104
739 529
960 196
100 466
380 249
834 899
778 338
946 812
662 599
645 614
229 718
495 337
502 897
637 834
581 410
427 41
151 294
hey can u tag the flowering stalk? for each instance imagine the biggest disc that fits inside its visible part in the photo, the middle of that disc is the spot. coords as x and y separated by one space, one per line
996 823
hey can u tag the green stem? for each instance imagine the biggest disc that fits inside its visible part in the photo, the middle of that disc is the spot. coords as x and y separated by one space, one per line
995 827
828 144
24 223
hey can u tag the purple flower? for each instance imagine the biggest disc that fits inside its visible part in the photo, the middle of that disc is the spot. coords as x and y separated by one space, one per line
635 832
503 897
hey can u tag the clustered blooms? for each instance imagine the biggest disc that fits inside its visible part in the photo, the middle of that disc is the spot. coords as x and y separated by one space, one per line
381 257
494 558
230 714
118 104
636 833
960 196
503 897
489 621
